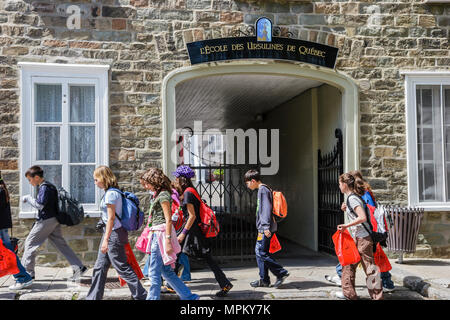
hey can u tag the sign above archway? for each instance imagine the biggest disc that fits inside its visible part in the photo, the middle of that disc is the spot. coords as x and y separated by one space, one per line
263 45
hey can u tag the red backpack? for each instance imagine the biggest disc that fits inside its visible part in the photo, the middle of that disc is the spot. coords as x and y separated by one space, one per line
176 210
208 221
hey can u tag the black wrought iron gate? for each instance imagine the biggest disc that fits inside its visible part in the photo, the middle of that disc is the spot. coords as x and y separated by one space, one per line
331 166
223 188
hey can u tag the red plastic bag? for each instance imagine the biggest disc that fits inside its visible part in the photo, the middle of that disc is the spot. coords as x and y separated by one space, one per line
381 260
8 261
275 245
345 248
131 259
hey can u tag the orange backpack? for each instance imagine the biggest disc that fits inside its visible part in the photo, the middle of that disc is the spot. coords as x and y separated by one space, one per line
279 204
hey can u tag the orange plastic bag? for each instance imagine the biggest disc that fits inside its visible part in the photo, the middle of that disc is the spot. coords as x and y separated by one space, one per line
131 259
275 245
345 248
381 260
8 261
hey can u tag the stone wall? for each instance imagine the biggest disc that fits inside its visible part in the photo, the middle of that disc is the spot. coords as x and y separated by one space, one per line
143 40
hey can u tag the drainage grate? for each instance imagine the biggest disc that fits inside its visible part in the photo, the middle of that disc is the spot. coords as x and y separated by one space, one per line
111 283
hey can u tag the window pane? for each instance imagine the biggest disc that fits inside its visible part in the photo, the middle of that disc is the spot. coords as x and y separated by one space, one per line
426 107
47 143
52 174
82 104
82 183
48 103
430 143
446 103
82 144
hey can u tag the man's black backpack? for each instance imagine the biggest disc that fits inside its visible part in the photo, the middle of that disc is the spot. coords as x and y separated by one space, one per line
376 236
70 211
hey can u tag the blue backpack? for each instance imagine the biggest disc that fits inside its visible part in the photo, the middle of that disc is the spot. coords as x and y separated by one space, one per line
132 217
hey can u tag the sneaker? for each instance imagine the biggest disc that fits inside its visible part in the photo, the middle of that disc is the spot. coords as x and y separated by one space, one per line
224 291
167 289
259 283
388 289
147 283
20 286
280 280
334 279
340 295
77 274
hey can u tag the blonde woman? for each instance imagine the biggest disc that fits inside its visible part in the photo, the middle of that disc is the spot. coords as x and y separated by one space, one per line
115 237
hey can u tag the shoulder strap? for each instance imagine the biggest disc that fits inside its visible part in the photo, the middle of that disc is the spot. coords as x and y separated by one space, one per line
51 185
195 193
354 213
122 194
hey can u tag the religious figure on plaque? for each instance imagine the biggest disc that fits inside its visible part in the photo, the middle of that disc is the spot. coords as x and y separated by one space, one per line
264 30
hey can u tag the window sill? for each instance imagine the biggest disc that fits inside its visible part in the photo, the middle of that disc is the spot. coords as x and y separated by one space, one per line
33 215
432 208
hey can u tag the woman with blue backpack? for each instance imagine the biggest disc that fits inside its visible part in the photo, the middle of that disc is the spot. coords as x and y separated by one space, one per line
115 237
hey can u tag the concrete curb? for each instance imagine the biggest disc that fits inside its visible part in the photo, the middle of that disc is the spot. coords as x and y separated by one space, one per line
418 284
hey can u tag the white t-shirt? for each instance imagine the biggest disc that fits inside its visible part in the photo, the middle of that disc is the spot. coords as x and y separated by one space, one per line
115 198
357 231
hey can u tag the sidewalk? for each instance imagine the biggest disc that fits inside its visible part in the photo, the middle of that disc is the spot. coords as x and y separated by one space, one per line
307 281
427 276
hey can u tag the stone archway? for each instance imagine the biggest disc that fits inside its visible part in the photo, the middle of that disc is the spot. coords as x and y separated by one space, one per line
347 88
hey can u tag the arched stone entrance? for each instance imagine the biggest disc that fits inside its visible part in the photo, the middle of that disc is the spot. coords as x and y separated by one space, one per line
349 114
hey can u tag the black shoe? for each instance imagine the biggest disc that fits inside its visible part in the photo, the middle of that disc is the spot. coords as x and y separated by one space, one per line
280 280
224 291
259 283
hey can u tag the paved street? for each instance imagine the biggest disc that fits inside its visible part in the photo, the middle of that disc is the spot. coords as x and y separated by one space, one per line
306 282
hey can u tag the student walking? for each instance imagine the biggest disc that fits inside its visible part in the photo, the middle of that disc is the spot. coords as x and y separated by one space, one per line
386 277
353 188
23 278
193 242
368 197
115 237
163 240
267 227
182 267
46 225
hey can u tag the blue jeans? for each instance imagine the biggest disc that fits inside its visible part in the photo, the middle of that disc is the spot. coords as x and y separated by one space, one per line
266 262
386 279
146 266
157 268
339 270
184 260
23 276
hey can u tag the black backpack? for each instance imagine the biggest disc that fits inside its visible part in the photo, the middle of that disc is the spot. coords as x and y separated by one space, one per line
70 211
376 236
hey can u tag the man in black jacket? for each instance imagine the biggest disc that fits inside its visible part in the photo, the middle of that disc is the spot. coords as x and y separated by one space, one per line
46 225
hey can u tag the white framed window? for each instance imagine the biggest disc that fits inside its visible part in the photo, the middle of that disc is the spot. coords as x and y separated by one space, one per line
64 128
428 139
